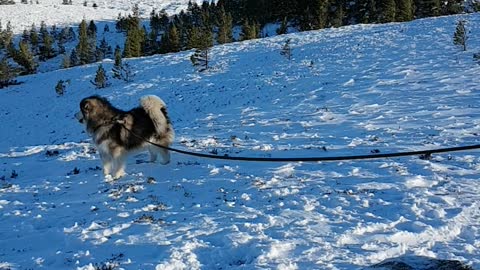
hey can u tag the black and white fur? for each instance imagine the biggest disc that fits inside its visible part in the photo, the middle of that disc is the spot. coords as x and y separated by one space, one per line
104 122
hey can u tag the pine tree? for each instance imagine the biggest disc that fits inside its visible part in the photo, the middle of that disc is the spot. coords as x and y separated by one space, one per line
170 41
7 74
135 40
287 50
427 8
66 62
404 11
283 27
250 30
337 15
201 57
224 33
74 60
103 51
320 13
121 71
26 36
194 38
34 39
92 40
46 47
24 58
118 56
452 7
6 36
460 36
83 48
387 11
365 11
101 79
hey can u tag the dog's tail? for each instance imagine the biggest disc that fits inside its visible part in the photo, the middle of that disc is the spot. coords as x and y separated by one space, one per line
157 110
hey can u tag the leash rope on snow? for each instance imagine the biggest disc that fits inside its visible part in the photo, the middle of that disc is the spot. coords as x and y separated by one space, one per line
425 153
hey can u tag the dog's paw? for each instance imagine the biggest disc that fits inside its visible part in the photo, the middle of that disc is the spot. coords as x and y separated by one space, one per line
118 175
165 162
111 178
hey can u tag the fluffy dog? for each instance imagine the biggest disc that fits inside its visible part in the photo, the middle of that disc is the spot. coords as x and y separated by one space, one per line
106 125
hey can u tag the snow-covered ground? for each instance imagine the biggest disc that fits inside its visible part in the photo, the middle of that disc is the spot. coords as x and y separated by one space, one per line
53 12
347 91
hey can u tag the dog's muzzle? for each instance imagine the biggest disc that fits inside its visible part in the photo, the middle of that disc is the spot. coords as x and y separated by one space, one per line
79 116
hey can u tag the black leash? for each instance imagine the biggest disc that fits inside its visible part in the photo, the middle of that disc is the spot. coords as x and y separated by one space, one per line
425 153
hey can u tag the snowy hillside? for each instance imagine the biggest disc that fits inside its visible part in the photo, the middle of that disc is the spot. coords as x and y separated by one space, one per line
52 12
354 90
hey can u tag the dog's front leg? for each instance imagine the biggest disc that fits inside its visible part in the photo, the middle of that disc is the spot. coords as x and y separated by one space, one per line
118 165
165 156
106 163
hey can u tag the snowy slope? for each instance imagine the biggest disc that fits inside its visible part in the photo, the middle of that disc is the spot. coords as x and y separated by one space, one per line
52 12
353 90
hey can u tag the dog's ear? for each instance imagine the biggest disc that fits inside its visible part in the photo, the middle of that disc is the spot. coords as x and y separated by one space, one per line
86 106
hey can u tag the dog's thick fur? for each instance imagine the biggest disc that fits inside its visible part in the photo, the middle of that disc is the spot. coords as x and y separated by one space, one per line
104 123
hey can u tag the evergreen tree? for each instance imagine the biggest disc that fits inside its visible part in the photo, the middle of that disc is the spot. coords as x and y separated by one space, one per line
46 47
201 57
83 48
170 40
7 73
121 71
337 15
135 40
249 30
66 62
101 79
387 11
24 58
6 36
404 11
74 60
283 27
66 35
26 36
365 11
92 40
54 32
460 36
34 39
287 50
427 8
118 56
104 50
194 38
320 13
452 7
225 24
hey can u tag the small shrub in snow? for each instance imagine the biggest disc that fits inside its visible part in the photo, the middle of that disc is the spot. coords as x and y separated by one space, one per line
287 50
460 36
61 86
120 70
101 78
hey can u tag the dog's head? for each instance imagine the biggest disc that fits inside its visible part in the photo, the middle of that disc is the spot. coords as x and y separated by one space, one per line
89 106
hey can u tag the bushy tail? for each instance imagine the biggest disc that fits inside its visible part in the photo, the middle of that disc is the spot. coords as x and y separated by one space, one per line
157 110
